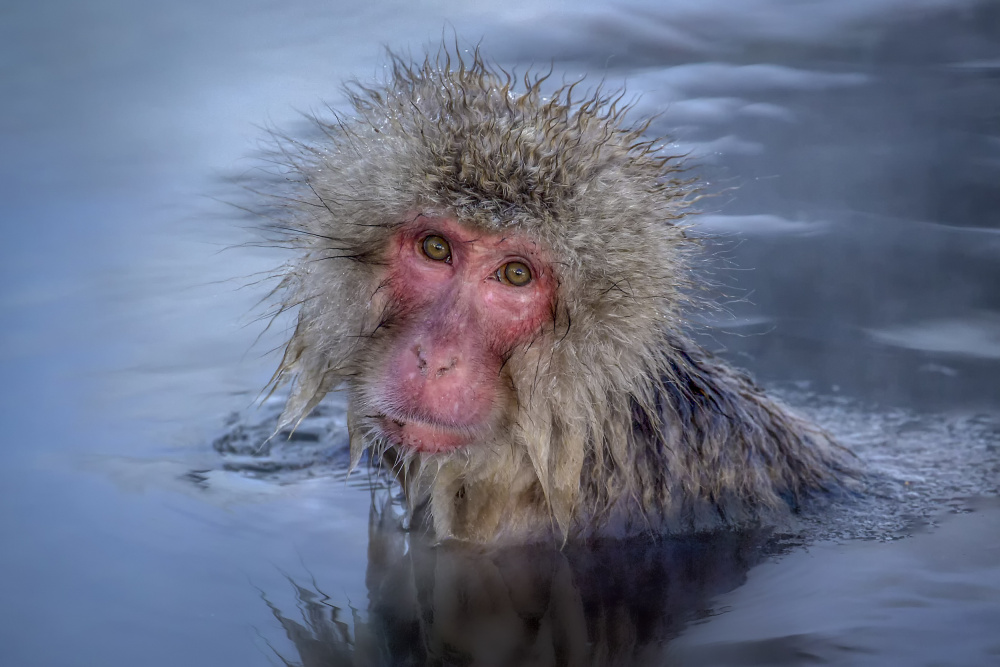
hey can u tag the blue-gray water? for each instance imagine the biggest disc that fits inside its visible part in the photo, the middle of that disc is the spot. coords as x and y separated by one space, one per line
853 148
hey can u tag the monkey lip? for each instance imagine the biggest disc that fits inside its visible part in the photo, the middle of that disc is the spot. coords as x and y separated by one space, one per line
423 437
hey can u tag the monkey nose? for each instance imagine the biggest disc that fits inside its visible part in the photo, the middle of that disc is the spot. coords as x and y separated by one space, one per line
438 362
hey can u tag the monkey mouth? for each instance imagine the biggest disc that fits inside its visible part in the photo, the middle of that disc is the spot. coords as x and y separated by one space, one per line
425 437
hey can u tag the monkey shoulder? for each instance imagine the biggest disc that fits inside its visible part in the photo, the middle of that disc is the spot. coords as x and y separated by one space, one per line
726 443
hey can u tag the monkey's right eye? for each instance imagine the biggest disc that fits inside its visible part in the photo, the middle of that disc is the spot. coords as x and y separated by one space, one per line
436 248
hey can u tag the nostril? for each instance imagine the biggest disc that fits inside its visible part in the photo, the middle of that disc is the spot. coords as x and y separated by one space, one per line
447 367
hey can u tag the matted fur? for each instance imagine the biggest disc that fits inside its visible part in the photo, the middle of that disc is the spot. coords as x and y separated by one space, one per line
619 422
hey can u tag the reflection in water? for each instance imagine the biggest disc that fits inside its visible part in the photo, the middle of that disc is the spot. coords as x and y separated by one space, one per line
614 602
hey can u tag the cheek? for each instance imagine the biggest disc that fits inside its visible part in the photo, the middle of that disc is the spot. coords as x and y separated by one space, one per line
412 284
515 315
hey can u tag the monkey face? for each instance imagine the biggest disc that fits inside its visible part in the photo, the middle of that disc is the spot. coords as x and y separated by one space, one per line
462 300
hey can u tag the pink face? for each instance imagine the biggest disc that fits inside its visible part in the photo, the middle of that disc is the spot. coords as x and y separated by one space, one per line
463 301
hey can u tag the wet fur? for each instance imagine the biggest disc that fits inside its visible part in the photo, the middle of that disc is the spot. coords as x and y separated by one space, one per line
617 422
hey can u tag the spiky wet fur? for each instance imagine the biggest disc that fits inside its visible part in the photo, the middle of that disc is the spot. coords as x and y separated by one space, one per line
623 424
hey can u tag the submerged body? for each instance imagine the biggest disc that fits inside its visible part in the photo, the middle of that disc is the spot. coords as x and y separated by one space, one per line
499 280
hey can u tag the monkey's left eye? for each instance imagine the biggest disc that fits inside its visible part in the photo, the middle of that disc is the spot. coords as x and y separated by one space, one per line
437 248
516 273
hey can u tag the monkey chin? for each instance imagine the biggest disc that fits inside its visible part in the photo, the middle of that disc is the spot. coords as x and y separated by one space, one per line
423 437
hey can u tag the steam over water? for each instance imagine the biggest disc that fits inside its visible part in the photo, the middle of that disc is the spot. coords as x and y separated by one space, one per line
852 151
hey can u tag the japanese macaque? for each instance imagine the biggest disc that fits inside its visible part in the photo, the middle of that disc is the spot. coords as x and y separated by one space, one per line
499 279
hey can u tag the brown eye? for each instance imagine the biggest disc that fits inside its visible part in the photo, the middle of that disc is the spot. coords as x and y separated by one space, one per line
436 248
517 274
